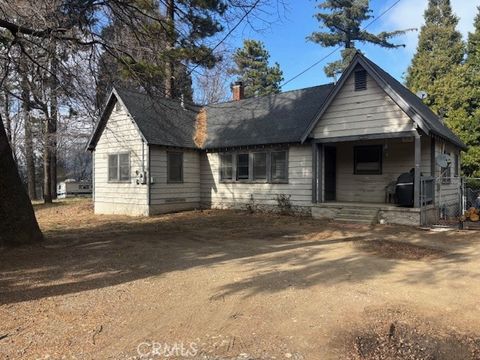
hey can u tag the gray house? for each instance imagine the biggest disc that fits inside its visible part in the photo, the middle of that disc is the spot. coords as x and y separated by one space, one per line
332 151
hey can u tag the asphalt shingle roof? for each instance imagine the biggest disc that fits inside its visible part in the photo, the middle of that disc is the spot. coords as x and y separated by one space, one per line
161 121
272 119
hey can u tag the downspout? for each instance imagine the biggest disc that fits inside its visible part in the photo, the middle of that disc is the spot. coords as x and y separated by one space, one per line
149 182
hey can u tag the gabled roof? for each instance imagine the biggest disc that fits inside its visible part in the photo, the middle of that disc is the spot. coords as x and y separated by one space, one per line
411 104
160 121
287 117
273 119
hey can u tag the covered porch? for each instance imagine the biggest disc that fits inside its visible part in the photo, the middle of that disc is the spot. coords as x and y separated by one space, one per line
355 177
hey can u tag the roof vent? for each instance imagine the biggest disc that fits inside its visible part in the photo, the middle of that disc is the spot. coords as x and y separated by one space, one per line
360 80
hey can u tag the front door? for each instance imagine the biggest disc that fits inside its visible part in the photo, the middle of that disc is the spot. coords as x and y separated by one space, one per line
330 173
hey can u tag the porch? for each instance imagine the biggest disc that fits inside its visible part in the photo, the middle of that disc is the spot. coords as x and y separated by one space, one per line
355 178
373 213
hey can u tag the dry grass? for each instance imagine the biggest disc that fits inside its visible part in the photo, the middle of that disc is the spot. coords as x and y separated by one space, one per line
237 283
402 250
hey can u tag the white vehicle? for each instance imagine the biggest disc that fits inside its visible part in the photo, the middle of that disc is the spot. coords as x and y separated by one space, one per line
71 188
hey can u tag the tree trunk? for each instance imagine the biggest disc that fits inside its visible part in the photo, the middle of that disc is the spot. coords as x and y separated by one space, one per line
169 66
19 225
47 161
8 119
54 119
27 123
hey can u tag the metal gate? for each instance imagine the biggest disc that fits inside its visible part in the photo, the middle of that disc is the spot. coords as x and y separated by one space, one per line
442 200
470 202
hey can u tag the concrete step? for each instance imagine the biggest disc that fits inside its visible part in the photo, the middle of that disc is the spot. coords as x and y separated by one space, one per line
356 221
357 216
352 210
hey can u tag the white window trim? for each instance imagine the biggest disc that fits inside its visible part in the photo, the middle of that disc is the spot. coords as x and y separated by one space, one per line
117 180
251 179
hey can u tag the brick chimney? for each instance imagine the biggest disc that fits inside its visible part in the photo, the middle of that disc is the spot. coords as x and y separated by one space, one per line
238 91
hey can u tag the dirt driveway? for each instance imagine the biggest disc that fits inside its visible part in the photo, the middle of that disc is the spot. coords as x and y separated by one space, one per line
232 285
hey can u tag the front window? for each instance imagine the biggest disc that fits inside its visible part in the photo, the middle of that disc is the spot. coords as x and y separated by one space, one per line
226 167
119 167
368 160
243 164
279 170
175 167
260 166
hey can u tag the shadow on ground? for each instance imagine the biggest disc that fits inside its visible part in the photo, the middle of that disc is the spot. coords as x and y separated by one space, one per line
116 250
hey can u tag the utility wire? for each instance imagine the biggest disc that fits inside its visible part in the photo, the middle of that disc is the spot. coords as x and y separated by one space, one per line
338 47
226 35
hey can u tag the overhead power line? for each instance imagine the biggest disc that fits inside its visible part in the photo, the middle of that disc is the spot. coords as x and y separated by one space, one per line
226 35
338 47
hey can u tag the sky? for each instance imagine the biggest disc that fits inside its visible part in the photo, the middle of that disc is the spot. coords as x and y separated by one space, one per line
287 44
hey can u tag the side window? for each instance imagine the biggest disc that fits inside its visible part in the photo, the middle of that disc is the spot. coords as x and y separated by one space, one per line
124 167
113 167
226 167
447 171
243 164
259 166
175 167
279 169
119 167
456 165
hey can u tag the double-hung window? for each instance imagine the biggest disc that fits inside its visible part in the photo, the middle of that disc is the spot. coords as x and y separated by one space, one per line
226 167
279 166
265 166
243 166
260 166
174 167
119 167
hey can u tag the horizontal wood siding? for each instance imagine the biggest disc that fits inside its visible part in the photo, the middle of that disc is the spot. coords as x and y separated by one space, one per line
238 195
119 135
447 194
398 157
369 111
167 197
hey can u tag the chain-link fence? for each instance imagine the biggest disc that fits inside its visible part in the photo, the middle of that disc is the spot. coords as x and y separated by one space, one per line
451 201
471 203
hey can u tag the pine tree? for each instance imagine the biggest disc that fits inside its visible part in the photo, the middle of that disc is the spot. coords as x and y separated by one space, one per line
343 21
459 99
440 49
161 43
253 70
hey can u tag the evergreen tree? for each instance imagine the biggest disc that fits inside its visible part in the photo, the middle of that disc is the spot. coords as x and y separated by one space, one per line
160 42
343 20
440 49
252 68
459 100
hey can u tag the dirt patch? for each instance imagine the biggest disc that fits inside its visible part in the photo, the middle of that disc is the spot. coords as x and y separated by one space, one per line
400 335
231 283
400 250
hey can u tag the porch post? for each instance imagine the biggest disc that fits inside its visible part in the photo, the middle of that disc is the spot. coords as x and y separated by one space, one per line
418 163
432 157
314 171
320 192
